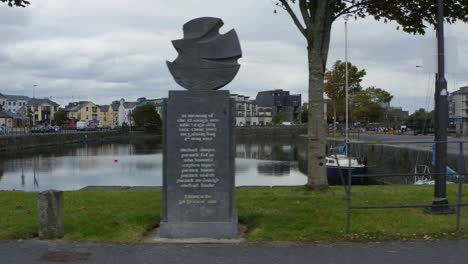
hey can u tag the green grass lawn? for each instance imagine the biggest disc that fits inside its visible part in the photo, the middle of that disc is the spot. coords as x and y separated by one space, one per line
277 214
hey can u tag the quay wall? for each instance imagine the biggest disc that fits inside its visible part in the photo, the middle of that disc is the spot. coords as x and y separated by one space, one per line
29 141
270 132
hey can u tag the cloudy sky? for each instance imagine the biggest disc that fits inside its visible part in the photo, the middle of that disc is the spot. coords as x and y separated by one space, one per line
108 49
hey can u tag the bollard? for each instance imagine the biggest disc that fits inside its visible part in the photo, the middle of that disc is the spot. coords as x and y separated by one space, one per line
50 209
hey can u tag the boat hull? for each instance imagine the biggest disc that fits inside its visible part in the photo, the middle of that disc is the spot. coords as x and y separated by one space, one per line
333 174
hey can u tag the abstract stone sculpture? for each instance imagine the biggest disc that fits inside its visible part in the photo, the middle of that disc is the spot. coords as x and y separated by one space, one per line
207 60
199 143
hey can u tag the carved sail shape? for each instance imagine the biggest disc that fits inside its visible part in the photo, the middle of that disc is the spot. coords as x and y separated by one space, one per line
206 60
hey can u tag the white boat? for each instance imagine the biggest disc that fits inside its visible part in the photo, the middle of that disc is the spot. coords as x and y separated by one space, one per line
342 162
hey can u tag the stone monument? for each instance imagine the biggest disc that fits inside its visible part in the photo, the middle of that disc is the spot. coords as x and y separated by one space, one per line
199 149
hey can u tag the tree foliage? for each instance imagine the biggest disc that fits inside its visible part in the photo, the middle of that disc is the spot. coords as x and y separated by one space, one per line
147 117
412 16
12 3
278 118
365 109
379 95
60 117
335 83
421 121
304 115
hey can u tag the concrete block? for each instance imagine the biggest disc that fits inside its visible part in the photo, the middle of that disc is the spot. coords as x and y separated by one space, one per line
50 209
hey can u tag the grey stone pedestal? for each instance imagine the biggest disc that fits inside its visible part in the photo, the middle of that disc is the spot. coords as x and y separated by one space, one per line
198 166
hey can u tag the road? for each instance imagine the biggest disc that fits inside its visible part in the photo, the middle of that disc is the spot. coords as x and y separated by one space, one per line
414 142
382 253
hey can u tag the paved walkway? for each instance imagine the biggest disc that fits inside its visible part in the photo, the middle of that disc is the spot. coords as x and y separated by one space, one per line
381 253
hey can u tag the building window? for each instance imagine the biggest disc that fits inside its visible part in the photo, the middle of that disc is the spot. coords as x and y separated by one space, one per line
9 103
94 109
86 110
14 103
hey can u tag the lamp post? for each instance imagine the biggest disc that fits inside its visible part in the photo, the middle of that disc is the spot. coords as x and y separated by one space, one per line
34 90
441 120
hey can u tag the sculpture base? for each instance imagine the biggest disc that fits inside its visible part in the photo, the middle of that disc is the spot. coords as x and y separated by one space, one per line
216 230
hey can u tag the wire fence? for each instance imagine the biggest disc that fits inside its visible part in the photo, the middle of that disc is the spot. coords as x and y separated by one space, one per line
27 131
346 176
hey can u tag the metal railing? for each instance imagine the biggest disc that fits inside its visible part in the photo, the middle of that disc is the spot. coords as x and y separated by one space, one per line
25 131
346 180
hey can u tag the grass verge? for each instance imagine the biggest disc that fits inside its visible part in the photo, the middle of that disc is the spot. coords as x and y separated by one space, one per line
270 214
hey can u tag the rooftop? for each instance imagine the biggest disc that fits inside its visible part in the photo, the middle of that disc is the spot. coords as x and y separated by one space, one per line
16 97
462 90
36 102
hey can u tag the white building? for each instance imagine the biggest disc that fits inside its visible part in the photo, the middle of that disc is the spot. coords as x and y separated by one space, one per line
125 109
247 112
458 110
15 102
3 101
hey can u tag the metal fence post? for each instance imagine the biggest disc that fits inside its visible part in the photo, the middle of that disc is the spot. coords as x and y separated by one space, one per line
461 178
348 224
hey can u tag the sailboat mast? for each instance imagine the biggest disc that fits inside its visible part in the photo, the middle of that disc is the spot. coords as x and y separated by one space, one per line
346 82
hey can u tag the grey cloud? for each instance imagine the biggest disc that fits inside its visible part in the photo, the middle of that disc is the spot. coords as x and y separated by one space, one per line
105 50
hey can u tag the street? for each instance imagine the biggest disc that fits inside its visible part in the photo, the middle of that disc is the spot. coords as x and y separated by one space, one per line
396 252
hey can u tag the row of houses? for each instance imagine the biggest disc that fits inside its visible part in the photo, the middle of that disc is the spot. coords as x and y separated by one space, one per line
16 110
115 114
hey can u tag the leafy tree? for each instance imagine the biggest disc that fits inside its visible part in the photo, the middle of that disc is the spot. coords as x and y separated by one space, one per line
379 95
60 117
147 117
314 19
278 118
21 3
304 115
335 82
421 121
364 109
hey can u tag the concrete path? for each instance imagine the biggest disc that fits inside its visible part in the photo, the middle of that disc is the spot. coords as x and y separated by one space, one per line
381 253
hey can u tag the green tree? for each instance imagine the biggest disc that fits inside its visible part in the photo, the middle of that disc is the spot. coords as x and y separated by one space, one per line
304 115
335 83
278 118
379 95
314 19
21 3
421 121
60 117
365 110
147 117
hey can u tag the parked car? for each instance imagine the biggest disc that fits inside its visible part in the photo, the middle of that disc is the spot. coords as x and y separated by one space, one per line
81 125
71 125
37 129
56 128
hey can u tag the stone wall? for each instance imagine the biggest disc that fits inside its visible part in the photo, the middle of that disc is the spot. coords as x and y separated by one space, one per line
387 158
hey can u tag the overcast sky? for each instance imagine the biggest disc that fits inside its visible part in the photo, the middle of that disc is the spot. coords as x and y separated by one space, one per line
108 49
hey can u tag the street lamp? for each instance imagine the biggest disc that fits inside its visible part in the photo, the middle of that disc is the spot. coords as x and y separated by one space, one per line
34 90
441 121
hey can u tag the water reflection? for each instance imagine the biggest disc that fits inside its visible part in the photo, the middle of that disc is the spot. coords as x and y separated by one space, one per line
274 169
135 164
